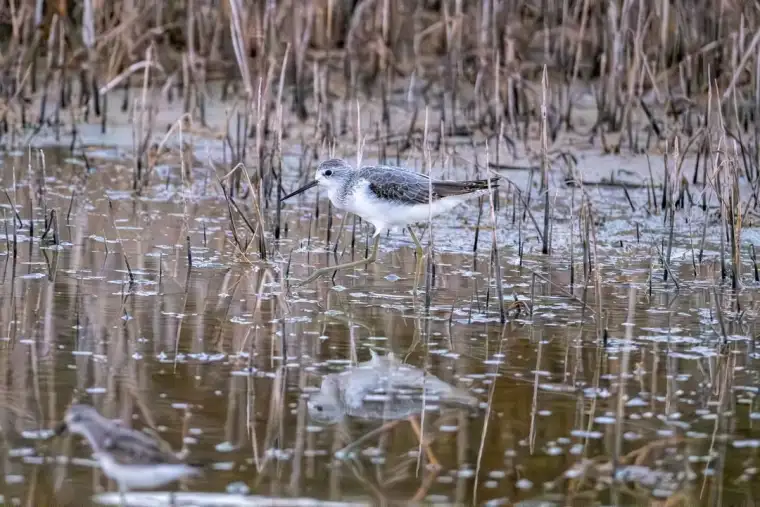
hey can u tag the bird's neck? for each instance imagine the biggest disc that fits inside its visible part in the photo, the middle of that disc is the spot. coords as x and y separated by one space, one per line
96 435
335 196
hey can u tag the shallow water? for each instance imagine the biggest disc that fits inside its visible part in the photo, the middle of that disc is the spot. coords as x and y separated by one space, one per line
222 358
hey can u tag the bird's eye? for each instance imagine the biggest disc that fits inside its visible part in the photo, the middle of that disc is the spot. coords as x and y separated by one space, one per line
319 408
328 172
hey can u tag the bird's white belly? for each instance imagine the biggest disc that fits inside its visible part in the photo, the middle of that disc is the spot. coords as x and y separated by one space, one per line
388 214
143 476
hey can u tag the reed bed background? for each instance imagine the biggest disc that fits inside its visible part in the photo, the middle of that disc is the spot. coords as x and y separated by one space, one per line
479 63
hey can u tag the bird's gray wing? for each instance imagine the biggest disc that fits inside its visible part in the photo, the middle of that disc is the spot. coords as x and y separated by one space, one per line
397 184
414 381
131 446
383 390
355 384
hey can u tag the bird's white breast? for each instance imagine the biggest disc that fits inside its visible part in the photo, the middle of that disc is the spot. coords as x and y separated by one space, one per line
140 476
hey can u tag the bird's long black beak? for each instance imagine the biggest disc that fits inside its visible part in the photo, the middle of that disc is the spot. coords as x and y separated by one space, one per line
61 428
302 189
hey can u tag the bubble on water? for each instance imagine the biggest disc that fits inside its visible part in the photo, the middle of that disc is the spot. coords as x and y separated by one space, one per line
37 434
225 447
343 455
593 392
14 479
744 444
245 372
23 451
466 473
559 388
586 434
32 276
524 484
372 451
668 338
237 488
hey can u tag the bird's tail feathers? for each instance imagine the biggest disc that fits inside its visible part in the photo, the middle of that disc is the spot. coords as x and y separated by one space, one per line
451 188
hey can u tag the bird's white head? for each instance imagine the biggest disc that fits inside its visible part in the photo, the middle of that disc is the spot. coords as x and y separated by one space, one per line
79 419
331 175
325 406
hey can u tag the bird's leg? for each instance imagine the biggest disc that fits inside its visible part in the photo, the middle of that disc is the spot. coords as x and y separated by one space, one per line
420 255
352 445
122 496
418 431
323 271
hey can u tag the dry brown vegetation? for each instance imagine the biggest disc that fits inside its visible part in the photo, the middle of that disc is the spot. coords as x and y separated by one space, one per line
478 62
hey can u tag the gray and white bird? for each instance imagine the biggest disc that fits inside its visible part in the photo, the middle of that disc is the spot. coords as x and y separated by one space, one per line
388 197
383 388
132 458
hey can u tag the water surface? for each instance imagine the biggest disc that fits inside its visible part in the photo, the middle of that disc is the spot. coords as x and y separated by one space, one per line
649 403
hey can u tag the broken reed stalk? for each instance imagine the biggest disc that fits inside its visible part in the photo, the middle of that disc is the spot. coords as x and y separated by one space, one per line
257 231
495 246
734 218
118 237
572 240
668 205
545 246
277 165
428 168
185 221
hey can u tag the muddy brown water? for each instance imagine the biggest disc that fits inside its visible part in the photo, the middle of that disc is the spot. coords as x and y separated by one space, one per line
222 359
